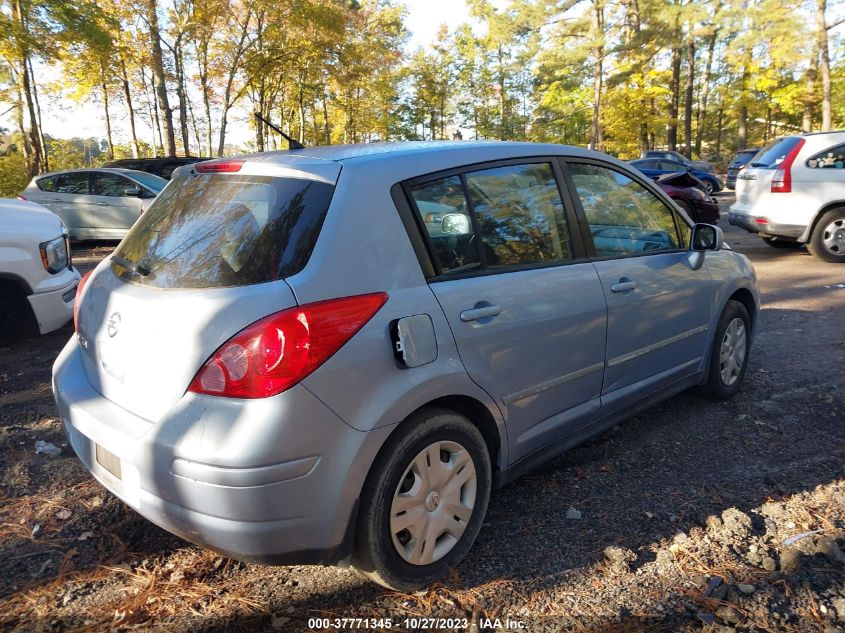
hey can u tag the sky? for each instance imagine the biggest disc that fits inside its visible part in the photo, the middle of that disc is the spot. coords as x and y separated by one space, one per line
67 119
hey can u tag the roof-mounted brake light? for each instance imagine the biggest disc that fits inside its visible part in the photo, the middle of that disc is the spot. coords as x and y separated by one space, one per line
219 166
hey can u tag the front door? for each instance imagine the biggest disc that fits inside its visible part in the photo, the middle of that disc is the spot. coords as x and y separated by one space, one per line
114 211
527 314
658 305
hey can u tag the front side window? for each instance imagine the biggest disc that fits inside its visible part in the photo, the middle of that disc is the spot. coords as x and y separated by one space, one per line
624 217
519 214
112 185
831 158
671 165
76 182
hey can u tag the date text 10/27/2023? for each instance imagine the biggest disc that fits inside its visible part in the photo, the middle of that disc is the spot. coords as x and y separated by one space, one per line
416 624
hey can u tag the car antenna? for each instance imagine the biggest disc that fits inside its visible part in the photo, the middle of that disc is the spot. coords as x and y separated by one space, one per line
292 143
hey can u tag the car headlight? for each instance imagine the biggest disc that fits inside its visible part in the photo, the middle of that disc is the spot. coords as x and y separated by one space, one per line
54 254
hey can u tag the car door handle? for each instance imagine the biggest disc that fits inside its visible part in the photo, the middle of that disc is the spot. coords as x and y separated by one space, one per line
480 313
102 204
623 285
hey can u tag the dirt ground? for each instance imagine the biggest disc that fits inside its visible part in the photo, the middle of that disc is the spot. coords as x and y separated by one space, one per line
686 513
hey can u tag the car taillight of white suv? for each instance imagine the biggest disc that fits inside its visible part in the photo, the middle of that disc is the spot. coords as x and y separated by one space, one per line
793 193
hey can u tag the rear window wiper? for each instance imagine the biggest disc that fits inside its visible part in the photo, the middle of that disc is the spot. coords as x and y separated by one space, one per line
131 266
759 164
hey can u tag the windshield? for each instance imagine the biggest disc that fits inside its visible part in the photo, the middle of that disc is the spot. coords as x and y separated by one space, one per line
223 230
775 152
151 181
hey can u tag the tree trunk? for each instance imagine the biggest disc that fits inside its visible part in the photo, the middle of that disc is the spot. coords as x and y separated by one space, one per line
701 117
130 110
159 84
36 157
596 132
719 121
674 100
810 93
108 120
181 94
38 115
688 96
824 63
326 124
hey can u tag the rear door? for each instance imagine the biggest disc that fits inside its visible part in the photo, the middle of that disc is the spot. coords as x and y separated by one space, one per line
114 211
658 306
525 307
72 203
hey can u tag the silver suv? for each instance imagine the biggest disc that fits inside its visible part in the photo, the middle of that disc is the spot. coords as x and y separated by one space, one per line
333 354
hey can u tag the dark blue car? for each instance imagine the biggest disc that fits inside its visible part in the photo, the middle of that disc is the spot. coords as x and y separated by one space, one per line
653 167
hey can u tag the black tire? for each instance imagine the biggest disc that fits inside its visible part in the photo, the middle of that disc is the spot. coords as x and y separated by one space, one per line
716 387
16 315
833 220
709 187
375 553
781 242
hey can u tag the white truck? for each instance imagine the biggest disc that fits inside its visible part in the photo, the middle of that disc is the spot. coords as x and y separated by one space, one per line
37 278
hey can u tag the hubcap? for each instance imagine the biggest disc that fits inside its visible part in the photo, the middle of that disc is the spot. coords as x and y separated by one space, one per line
732 353
433 503
833 237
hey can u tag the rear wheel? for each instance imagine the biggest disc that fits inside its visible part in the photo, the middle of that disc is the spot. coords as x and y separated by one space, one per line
708 186
424 501
781 242
729 356
828 239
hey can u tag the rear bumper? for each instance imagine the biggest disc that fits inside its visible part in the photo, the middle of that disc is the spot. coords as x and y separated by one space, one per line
291 501
764 227
54 308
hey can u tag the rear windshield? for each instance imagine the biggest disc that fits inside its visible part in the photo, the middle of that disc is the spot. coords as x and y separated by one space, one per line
743 157
775 152
221 230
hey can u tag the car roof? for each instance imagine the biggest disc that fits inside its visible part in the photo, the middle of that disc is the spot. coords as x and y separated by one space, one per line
112 170
389 150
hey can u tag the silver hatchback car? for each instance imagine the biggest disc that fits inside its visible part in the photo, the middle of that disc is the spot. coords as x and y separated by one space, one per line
334 354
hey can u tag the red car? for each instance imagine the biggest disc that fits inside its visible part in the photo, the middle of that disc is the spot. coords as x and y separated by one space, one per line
685 190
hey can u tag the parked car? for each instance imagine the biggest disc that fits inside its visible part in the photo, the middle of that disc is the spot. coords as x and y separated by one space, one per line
284 362
742 158
793 193
677 157
711 183
37 278
96 203
685 190
161 167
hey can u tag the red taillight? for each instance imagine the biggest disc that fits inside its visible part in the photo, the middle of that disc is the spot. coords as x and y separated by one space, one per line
219 166
78 298
277 352
762 220
782 180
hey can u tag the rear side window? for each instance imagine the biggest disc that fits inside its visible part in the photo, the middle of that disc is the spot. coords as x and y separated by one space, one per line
73 183
46 184
775 152
219 230
831 158
506 217
111 185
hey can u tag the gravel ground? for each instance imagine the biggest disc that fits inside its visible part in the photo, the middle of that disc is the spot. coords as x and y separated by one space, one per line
686 512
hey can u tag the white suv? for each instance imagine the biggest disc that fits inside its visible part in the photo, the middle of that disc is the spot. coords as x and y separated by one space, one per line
793 192
36 273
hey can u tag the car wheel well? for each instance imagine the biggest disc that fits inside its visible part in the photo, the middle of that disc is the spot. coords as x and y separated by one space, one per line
831 206
744 296
471 409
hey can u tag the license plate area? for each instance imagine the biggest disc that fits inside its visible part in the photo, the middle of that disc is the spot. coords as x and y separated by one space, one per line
108 460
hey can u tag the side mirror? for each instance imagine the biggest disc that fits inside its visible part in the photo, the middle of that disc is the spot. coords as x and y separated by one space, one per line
455 224
132 191
706 237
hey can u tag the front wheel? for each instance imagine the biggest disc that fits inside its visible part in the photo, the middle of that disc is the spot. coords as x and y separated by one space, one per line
828 239
708 186
424 501
729 356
